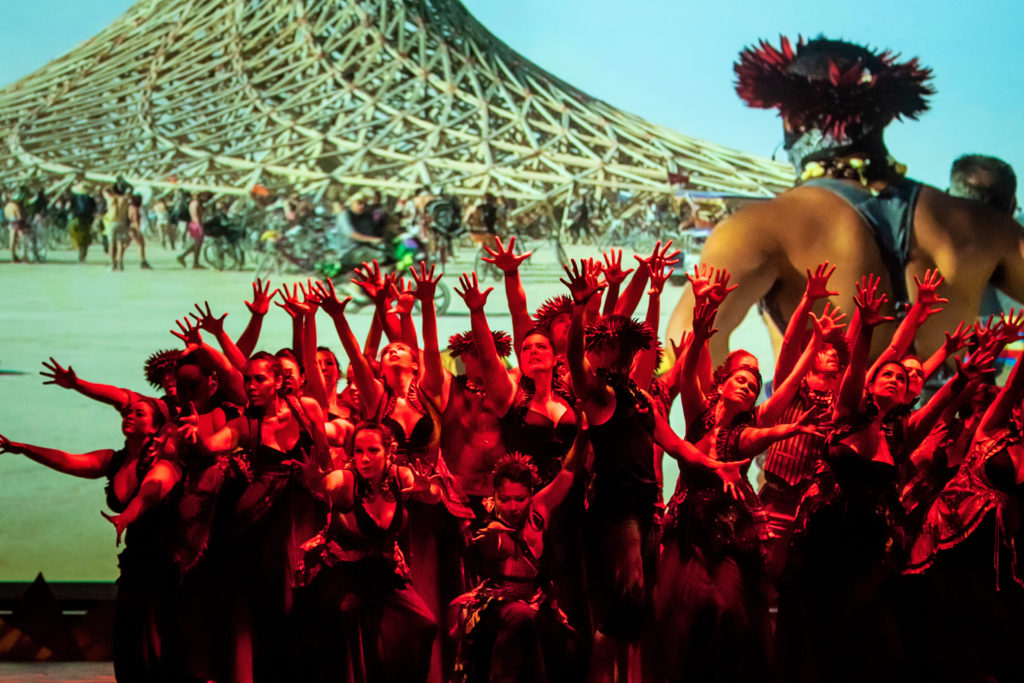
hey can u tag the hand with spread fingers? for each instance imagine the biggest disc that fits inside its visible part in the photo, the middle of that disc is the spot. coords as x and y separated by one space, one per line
505 257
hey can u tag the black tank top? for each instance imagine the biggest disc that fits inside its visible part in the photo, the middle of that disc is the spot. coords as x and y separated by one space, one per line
624 451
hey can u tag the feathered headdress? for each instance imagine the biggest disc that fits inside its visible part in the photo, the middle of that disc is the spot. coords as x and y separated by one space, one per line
515 466
459 344
631 334
551 309
159 364
840 88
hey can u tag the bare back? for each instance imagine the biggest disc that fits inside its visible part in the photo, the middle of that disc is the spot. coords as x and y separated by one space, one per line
768 248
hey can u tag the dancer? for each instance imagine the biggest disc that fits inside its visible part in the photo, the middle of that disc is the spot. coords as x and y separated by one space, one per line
286 449
536 416
837 597
508 628
358 597
142 480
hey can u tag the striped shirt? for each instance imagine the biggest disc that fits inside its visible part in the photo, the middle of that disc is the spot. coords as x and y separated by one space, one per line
793 459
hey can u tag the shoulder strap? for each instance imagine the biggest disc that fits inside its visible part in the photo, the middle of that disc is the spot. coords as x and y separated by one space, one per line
890 219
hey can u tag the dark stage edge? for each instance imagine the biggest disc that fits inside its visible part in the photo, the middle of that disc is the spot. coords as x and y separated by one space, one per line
55 672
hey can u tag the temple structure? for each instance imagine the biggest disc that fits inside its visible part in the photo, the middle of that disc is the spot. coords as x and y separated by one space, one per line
307 94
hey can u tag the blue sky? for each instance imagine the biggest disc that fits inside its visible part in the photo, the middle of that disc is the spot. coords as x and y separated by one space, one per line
670 61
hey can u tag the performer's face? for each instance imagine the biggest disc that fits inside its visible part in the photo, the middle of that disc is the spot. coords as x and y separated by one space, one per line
369 454
138 420
169 384
741 387
511 501
291 376
890 383
827 360
915 377
537 354
193 384
398 356
328 368
261 384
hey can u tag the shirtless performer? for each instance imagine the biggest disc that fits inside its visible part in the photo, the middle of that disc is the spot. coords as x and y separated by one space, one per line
851 204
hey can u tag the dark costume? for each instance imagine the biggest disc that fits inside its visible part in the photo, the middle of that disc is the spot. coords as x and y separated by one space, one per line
711 612
358 618
838 597
968 602
146 634
434 541
508 628
620 516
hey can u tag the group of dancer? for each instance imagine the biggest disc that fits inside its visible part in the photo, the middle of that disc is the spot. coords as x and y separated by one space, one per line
508 524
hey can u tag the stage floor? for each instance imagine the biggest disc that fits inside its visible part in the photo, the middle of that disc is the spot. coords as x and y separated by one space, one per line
55 672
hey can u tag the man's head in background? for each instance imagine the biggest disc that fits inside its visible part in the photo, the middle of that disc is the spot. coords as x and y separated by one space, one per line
985 179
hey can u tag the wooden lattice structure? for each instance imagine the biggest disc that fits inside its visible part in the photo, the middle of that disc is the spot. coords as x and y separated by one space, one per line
383 94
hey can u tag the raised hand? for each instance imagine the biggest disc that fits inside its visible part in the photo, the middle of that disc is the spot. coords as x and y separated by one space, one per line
710 284
426 282
329 299
684 343
404 295
869 301
205 320
187 333
1010 326
660 254
470 292
927 292
582 282
290 302
55 374
716 295
370 280
613 272
310 294
659 276
957 339
830 322
976 365
504 257
703 321
261 296
817 282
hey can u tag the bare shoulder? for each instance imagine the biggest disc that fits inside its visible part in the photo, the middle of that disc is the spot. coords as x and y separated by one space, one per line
965 219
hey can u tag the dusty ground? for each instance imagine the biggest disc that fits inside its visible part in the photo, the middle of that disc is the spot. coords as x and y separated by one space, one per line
105 325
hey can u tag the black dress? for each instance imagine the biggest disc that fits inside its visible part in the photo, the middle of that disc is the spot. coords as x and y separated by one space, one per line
147 644
711 612
839 596
357 617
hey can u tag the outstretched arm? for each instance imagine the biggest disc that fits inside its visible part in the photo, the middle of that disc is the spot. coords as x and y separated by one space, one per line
647 362
793 340
691 391
969 372
593 393
258 307
405 301
498 385
770 412
162 477
205 320
104 393
958 339
433 378
614 276
91 465
370 388
925 305
868 315
508 261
